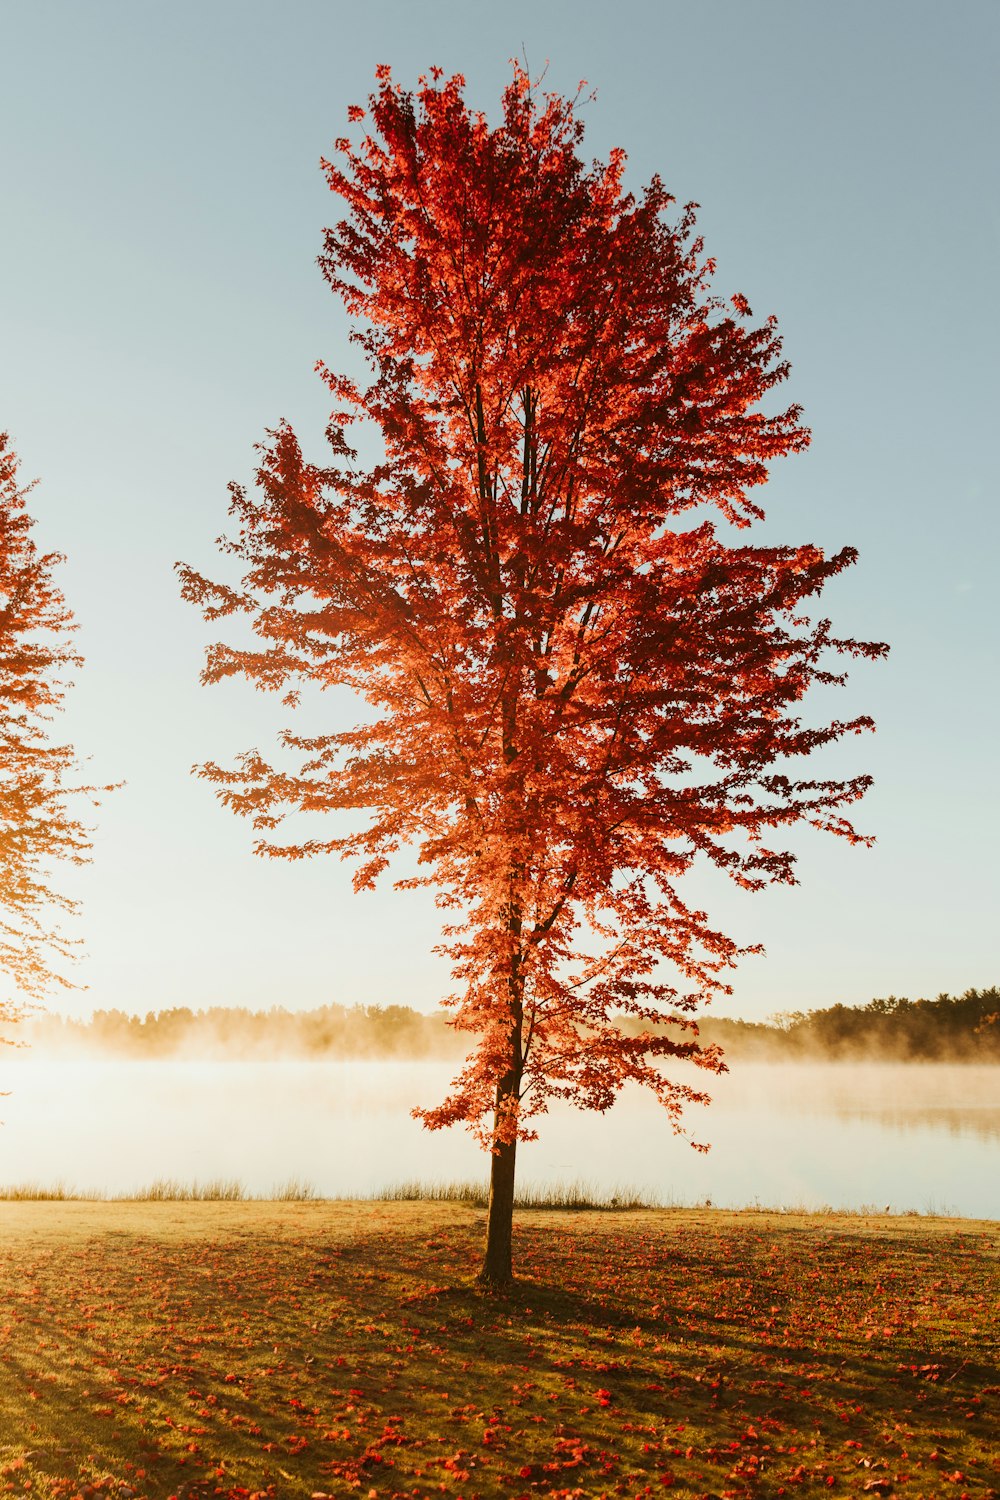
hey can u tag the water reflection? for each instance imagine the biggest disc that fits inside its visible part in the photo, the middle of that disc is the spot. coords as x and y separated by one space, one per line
960 1099
980 1121
917 1137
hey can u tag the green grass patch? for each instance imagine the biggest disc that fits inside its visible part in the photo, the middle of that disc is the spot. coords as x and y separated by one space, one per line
228 1348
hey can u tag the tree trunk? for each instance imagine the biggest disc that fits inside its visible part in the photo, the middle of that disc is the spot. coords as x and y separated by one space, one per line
497 1269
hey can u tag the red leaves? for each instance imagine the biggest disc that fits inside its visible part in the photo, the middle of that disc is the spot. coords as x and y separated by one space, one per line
579 687
35 786
472 1393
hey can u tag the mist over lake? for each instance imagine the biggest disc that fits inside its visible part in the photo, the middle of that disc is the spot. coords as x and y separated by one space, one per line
906 1136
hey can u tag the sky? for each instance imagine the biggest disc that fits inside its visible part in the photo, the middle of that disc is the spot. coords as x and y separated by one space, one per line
161 307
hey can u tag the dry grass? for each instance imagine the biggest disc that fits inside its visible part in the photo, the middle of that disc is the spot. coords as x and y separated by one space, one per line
575 1195
162 1190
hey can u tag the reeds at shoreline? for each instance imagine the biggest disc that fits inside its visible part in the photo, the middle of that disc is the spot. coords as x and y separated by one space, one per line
565 1197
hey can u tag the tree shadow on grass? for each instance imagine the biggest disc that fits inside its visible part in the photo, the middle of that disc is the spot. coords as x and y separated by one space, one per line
607 1362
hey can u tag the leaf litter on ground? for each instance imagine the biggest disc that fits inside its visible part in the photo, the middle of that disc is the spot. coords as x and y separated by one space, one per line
240 1350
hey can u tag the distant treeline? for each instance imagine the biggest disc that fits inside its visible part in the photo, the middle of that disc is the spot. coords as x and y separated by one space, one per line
232 1031
964 1028
948 1029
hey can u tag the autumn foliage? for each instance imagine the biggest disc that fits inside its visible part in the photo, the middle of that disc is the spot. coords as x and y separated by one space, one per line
38 830
281 1352
582 679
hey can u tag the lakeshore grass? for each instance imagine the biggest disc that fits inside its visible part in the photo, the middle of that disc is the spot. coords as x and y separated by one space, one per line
196 1346
574 1195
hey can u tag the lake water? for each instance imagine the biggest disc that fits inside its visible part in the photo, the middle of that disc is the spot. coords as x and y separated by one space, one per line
918 1137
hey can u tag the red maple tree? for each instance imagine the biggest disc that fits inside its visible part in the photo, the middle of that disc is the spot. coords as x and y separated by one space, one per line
580 686
38 830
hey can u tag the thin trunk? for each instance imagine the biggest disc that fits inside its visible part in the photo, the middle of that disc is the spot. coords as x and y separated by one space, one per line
497 1269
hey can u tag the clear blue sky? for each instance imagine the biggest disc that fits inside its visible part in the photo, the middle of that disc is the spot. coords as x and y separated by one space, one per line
160 306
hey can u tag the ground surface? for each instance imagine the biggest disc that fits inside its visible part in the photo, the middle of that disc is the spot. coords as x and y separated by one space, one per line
216 1349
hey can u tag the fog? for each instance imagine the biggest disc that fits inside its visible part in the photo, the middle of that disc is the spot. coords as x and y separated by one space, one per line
225 1034
904 1136
963 1028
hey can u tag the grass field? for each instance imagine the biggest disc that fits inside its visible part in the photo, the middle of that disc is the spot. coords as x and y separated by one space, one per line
228 1348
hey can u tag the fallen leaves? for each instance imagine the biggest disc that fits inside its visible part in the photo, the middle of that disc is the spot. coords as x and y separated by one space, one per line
715 1355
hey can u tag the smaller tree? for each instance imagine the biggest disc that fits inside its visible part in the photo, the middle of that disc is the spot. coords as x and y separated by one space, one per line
37 828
